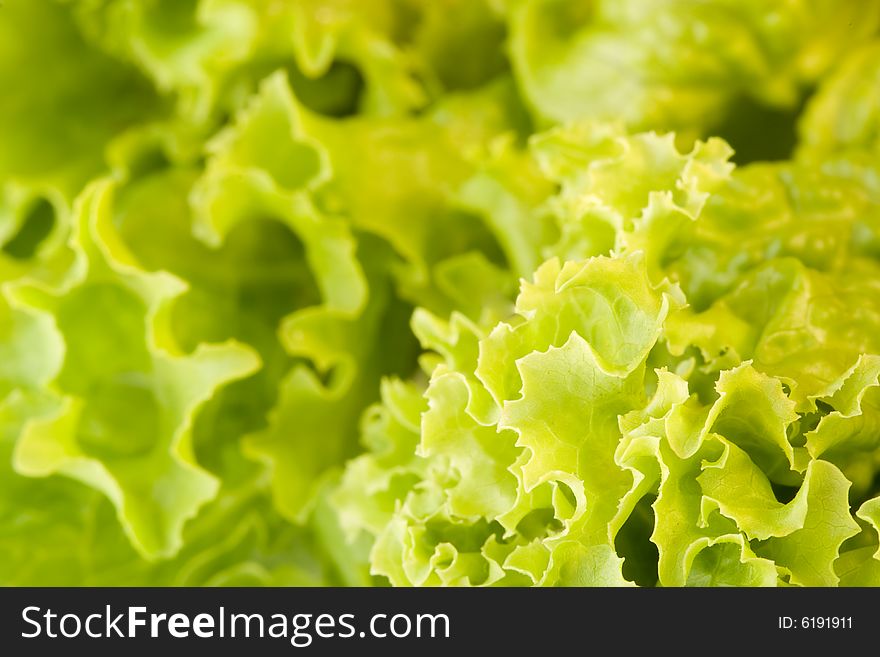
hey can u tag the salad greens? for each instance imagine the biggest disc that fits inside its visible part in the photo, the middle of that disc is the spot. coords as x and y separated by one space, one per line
440 292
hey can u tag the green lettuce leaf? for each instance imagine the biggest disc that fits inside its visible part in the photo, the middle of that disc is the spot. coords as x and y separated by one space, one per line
117 359
46 60
675 65
501 242
844 115
553 452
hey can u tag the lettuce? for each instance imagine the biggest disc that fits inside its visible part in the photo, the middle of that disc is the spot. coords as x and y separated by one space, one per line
689 395
676 65
421 292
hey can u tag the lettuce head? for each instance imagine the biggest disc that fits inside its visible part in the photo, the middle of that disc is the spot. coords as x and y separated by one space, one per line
440 293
